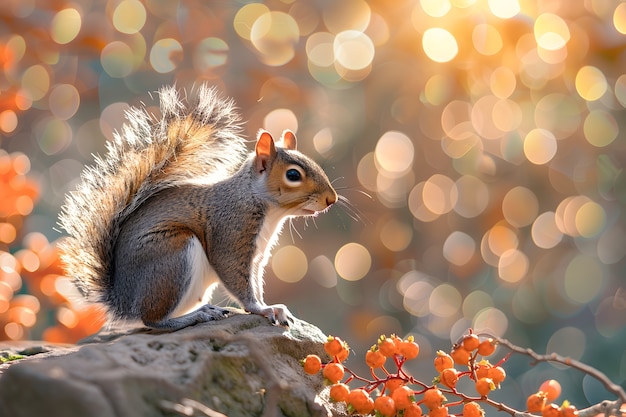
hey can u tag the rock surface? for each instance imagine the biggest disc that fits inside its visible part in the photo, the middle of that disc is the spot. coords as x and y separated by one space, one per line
239 366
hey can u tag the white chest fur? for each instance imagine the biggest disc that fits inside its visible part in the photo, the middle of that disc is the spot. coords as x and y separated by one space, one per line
267 237
203 278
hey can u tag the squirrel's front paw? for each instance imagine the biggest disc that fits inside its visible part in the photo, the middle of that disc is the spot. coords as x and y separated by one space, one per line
276 313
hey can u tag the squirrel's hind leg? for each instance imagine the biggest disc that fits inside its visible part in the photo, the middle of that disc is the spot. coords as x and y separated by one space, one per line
199 281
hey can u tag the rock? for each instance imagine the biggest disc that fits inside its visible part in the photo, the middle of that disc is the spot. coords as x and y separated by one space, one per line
239 366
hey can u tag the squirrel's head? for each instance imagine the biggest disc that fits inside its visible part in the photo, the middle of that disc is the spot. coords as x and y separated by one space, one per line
297 183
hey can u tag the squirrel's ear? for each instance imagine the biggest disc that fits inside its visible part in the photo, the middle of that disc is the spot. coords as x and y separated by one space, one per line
289 140
265 150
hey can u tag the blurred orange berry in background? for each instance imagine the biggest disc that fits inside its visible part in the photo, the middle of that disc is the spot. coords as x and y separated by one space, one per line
32 285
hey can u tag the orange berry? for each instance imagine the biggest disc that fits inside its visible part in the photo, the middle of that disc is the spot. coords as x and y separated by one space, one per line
473 409
374 359
361 401
413 410
551 388
396 341
343 355
409 350
460 356
438 412
497 374
487 347
568 410
471 342
482 369
393 384
387 346
312 364
536 402
443 361
385 406
402 397
333 346
449 377
433 398
333 372
484 386
551 410
339 392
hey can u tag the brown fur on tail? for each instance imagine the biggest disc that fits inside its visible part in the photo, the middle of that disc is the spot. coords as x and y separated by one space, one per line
196 140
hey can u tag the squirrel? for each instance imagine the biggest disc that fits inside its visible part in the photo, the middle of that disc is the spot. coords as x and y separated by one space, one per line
177 205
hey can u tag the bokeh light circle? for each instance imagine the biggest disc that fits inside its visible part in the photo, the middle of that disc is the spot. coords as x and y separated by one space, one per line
117 59
490 320
436 8
66 25
394 153
445 301
289 263
129 16
353 261
504 9
600 128
459 248
64 100
619 18
210 53
353 50
584 279
440 194
540 146
275 35
439 45
513 265
551 31
165 55
520 206
545 232
473 196
280 119
486 39
590 83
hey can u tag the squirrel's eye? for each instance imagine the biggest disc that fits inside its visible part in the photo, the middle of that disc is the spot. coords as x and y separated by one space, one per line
293 175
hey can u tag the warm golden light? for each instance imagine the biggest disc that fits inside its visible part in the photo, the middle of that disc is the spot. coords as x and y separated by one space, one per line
540 146
394 153
439 45
504 9
66 26
129 16
590 83
353 50
476 144
353 261
551 31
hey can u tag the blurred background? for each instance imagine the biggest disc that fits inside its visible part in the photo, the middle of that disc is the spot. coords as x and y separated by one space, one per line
480 144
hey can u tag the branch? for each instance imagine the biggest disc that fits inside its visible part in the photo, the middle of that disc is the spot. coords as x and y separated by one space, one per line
608 408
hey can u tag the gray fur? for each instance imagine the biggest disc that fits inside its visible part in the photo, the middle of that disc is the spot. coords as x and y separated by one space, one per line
176 205
120 181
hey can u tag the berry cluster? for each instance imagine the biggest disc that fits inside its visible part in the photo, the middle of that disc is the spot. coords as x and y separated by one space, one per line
398 394
542 401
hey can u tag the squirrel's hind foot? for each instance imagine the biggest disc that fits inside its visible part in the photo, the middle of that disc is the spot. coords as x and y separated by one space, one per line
205 313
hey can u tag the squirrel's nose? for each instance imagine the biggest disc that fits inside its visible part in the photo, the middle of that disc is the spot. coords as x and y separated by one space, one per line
331 199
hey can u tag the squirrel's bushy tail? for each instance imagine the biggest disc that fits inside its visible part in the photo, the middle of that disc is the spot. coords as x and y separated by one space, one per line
196 140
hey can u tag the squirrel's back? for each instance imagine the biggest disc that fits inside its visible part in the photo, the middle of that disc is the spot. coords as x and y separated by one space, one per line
194 140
